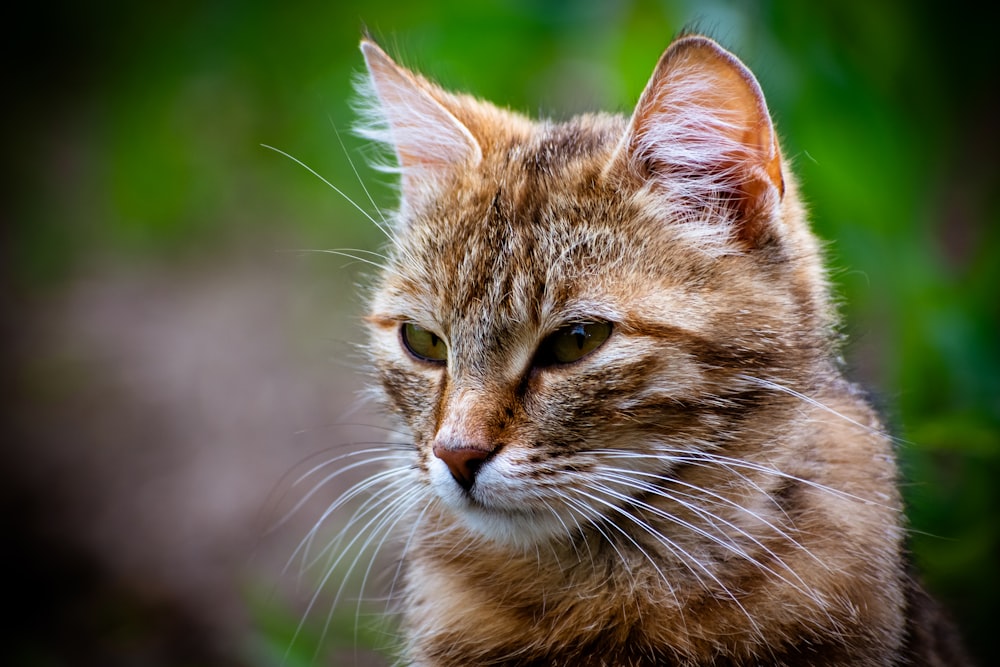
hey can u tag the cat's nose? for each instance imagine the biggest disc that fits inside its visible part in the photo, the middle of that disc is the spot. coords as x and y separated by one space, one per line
463 461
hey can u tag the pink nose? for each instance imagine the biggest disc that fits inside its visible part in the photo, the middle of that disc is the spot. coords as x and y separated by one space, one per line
462 461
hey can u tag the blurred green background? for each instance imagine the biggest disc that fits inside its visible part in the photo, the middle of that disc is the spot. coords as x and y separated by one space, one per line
132 145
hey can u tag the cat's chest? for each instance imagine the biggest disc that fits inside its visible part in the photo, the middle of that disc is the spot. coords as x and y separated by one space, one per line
536 611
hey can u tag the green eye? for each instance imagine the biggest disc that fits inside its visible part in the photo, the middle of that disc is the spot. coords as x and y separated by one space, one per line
423 344
572 342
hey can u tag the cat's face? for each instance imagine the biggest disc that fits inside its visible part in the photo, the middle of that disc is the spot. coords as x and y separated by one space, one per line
570 311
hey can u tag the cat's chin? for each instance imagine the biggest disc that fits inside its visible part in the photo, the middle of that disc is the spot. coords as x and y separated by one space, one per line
518 530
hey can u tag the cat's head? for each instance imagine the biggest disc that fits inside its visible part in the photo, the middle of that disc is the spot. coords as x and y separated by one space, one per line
564 303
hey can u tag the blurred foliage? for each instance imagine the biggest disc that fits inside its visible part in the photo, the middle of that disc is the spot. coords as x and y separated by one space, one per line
133 134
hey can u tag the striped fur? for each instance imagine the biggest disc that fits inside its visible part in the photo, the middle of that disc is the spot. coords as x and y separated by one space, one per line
702 489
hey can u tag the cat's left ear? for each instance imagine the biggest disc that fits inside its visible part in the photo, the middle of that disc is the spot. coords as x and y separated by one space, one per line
701 131
427 138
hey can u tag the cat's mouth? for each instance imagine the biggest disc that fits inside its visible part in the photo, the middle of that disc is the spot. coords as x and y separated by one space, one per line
468 490
494 505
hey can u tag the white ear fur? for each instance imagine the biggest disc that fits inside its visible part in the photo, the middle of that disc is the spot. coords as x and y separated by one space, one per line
400 111
701 131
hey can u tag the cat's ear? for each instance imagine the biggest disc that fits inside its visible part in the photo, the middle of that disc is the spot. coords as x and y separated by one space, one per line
702 131
428 140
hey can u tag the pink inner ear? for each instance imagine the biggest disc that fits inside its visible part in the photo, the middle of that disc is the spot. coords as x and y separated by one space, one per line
702 128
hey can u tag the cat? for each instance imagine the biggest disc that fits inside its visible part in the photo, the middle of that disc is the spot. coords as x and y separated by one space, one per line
612 346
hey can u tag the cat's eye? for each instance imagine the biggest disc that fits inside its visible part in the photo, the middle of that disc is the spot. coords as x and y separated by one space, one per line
572 342
423 343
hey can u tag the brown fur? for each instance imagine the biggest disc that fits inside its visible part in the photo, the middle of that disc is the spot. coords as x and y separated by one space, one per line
702 489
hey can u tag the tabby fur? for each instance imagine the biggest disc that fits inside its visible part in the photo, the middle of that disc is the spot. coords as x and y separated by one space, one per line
705 487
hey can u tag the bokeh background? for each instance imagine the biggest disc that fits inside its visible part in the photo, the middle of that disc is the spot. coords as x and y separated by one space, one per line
171 357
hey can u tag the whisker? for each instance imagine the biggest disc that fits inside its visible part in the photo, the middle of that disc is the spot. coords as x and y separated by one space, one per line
702 457
348 254
353 492
361 181
406 548
382 226
722 541
382 447
777 386
385 527
713 497
328 184
331 567
662 514
371 504
594 519
569 533
687 560
319 485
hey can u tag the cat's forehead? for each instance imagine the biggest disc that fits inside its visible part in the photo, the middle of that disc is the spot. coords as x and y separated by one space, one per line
527 229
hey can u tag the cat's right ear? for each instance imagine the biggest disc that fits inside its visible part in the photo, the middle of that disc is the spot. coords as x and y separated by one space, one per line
406 112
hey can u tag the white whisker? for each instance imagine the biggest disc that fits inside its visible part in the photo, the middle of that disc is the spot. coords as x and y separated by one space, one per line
702 457
776 386
346 497
595 519
328 184
404 551
361 181
345 253
625 475
686 559
306 497
372 525
723 539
